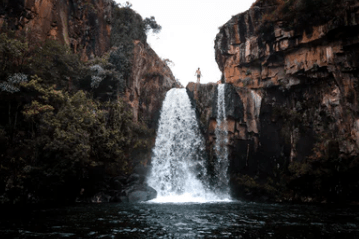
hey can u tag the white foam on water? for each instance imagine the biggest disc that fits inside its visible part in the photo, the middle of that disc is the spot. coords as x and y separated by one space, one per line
188 198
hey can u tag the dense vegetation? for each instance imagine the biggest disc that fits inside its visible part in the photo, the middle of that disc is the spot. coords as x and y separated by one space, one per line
127 26
64 127
299 13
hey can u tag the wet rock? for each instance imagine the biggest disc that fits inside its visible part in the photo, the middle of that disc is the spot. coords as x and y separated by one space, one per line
100 198
117 183
141 193
119 196
135 179
290 96
141 169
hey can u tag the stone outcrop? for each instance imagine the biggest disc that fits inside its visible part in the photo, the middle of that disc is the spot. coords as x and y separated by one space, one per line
282 56
83 25
150 80
243 123
298 91
86 27
121 189
111 42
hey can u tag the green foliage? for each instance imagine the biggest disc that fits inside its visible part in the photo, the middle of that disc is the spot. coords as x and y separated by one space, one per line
53 133
12 83
121 58
35 108
291 119
299 13
80 133
298 169
102 79
12 53
323 173
65 136
54 62
247 185
127 5
150 23
128 26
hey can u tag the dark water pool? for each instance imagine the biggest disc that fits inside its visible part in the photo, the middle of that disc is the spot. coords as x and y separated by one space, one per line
191 220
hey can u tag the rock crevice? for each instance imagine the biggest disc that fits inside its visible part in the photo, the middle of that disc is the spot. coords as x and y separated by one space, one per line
297 89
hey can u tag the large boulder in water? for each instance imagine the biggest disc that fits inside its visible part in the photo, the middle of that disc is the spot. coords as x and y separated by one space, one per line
135 179
140 193
122 189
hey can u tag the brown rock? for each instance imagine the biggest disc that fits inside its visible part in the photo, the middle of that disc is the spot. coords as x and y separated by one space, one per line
64 20
240 49
151 78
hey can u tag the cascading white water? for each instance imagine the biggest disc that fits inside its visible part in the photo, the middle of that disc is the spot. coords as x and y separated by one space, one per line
221 149
178 167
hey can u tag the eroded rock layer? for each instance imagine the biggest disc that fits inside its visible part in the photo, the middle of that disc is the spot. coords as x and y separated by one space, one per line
150 80
87 27
292 105
96 53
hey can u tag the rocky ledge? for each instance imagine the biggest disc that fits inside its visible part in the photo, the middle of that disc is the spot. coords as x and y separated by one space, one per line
291 103
116 63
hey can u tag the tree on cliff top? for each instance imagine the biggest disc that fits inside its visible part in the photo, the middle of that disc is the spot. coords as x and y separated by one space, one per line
150 23
128 26
299 13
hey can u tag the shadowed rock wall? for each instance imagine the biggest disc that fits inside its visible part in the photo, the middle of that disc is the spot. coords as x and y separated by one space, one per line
298 91
150 80
83 25
111 42
86 27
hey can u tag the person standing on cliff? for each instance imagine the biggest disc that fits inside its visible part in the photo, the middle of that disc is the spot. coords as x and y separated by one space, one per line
198 73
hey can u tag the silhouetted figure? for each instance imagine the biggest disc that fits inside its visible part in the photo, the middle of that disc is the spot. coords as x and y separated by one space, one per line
198 73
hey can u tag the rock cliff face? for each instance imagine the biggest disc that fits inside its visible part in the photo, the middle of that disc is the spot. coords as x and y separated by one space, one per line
297 135
150 80
83 25
116 63
252 59
87 27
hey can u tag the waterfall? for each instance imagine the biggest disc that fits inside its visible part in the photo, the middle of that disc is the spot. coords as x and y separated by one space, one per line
221 148
178 167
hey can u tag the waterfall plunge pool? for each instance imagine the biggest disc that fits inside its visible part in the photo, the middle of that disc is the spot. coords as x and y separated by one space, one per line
183 220
186 206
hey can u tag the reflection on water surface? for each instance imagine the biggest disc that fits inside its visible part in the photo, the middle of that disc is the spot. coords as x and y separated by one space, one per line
186 220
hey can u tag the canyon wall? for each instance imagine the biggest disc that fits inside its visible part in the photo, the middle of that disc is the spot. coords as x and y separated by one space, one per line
87 65
89 29
292 104
83 25
150 80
